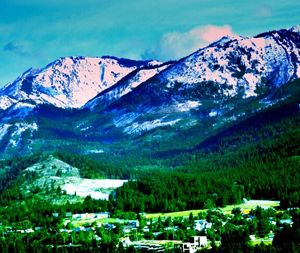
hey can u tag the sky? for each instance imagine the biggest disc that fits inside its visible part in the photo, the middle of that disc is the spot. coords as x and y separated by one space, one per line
34 33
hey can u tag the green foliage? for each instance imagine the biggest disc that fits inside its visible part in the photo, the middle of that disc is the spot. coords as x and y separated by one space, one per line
288 238
235 239
258 162
14 166
89 168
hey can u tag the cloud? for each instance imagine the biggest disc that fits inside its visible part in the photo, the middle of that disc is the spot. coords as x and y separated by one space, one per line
17 47
174 45
263 11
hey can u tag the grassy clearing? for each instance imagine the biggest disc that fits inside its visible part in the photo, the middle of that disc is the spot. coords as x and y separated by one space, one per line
174 214
258 241
246 207
77 223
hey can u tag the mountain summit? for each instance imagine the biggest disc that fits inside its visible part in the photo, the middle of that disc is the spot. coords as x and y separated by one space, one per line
68 82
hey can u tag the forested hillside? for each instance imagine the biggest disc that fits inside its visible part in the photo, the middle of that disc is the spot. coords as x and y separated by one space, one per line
258 158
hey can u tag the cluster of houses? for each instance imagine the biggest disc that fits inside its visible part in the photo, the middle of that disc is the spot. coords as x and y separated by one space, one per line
132 227
148 246
86 216
198 242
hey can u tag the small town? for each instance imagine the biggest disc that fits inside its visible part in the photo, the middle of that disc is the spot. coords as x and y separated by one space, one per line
186 232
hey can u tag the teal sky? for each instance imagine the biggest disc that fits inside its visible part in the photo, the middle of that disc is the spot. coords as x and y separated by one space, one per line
36 32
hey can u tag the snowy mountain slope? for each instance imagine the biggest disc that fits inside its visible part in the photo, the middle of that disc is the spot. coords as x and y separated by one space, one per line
68 82
16 136
125 86
242 63
213 82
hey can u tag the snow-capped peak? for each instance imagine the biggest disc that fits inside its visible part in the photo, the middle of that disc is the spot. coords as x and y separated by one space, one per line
226 39
68 82
241 64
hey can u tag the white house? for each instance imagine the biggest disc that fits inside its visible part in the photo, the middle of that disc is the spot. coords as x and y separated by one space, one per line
85 216
200 241
192 247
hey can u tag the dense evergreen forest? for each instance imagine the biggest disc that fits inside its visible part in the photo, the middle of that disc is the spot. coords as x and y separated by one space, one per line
268 170
259 158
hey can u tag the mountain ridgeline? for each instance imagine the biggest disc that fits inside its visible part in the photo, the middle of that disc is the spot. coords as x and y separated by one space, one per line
213 120
97 106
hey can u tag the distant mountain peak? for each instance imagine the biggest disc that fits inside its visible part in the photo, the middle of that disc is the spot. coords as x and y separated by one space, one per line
226 39
68 82
242 62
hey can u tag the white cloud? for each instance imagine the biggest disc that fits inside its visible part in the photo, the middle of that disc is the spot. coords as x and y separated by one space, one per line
174 45
263 11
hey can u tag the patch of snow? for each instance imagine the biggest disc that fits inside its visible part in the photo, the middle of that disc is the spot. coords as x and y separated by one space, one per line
19 110
95 151
96 188
125 119
3 130
85 128
154 63
136 128
16 136
6 102
21 105
213 113
191 123
13 143
144 75
295 29
187 105
252 82
226 39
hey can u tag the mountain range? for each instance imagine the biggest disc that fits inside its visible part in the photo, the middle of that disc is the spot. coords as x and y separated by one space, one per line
105 105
